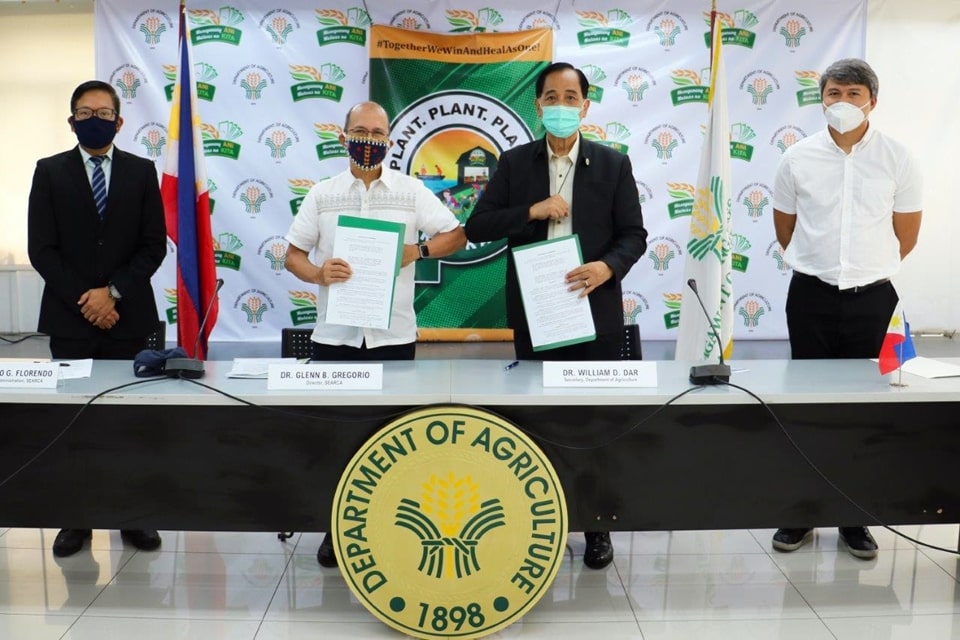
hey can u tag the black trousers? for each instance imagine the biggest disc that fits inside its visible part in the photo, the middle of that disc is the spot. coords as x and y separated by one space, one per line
825 322
340 353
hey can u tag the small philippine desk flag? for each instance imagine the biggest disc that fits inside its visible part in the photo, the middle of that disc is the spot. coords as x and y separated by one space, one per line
897 344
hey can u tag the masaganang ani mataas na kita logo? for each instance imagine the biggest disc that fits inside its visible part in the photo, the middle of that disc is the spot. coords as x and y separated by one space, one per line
449 522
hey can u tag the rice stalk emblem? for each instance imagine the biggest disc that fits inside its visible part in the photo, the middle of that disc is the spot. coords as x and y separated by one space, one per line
449 520
792 31
279 29
667 31
152 28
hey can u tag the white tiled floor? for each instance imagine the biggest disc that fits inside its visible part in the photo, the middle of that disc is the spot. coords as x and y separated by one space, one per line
678 585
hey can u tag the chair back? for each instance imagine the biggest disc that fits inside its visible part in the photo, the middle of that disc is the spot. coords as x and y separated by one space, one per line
296 343
630 347
157 340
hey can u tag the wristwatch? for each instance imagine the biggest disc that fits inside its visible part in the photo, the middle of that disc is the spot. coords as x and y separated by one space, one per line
424 250
113 292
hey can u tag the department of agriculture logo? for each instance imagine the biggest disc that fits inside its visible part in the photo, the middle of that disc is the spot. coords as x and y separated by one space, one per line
644 192
775 253
278 138
691 86
153 137
337 26
254 303
740 134
668 26
634 82
221 140
665 140
225 248
760 85
215 26
661 251
538 20
170 295
792 26
604 28
450 522
787 136
410 19
465 21
739 245
253 79
634 303
756 198
329 146
304 307
253 193
319 83
752 307
127 79
299 187
203 76
153 23
279 24
595 75
735 28
672 302
681 203
614 135
274 249
809 93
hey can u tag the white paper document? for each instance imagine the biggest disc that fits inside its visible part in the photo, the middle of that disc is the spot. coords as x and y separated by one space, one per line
930 368
75 369
255 367
556 317
373 249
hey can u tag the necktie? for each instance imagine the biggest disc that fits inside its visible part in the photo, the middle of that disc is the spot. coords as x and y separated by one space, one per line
99 184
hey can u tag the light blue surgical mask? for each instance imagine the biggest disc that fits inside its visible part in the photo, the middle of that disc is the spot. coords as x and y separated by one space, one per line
561 121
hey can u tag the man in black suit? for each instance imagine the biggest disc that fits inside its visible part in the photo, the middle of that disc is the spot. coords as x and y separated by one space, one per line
96 235
553 187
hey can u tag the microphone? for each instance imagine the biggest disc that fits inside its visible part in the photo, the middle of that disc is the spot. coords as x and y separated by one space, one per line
708 373
193 367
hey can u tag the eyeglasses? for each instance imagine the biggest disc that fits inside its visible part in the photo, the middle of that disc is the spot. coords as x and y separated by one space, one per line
83 113
364 133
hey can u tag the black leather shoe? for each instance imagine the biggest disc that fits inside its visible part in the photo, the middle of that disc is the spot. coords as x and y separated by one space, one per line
859 542
791 539
325 555
69 541
143 539
599 551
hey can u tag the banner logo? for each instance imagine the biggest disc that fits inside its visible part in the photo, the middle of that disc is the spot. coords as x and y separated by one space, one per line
253 193
664 139
299 187
450 523
317 83
539 20
127 79
274 249
792 26
614 135
464 21
254 303
278 137
170 295
736 28
775 253
809 93
787 136
668 26
595 75
221 140
349 27
203 75
153 23
225 247
153 137
661 251
635 81
690 87
609 28
304 308
672 301
760 85
756 198
644 191
215 26
253 79
740 134
682 199
279 23
410 19
329 147
634 303
739 245
752 307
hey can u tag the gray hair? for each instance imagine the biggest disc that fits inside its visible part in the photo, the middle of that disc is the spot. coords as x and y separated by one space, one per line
851 71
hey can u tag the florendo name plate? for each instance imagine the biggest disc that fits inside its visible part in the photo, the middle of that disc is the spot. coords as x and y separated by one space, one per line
326 377
29 375
614 373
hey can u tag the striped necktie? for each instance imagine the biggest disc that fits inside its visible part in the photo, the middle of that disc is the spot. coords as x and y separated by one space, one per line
99 184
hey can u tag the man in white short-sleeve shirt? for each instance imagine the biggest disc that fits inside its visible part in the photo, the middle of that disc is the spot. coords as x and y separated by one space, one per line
847 209
367 190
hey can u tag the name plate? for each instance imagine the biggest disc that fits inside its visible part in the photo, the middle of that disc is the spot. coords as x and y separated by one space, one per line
325 377
613 373
29 375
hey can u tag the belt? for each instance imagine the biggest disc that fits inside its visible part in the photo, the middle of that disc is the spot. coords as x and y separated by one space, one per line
827 285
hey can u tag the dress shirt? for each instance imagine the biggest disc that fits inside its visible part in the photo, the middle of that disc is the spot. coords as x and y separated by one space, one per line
106 165
562 169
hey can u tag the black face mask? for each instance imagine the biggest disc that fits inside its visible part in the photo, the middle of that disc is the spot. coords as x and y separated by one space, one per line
95 133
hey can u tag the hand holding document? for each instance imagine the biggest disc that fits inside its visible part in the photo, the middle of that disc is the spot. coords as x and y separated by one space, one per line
373 249
556 317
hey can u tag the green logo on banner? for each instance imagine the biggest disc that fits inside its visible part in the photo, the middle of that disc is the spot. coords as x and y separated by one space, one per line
299 187
225 247
682 204
600 28
809 94
317 83
740 134
304 308
349 27
215 26
735 28
672 301
221 140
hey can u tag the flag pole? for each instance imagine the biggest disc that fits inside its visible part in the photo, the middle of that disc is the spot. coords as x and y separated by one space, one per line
713 23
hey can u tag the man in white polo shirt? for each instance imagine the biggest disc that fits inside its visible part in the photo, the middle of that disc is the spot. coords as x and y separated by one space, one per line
847 209
367 190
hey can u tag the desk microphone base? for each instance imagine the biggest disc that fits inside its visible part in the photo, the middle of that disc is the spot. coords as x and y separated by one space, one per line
706 374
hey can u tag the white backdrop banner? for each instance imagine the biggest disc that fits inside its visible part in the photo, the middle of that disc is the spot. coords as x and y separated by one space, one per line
275 84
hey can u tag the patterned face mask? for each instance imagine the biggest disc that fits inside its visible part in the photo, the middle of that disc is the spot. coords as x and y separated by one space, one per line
367 153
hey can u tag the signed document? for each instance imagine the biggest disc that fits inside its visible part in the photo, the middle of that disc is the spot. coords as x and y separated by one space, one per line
556 317
373 249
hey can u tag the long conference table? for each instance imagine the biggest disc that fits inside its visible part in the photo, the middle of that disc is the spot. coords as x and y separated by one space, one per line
171 454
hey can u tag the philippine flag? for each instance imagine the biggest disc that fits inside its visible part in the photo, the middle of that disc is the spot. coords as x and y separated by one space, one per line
186 203
897 344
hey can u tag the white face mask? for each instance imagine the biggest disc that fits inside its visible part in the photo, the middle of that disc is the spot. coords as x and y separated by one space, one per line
844 117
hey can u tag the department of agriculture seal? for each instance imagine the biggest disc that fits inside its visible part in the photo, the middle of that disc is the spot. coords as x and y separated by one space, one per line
449 523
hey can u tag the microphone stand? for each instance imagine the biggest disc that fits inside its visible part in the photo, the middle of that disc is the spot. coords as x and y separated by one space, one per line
706 374
192 367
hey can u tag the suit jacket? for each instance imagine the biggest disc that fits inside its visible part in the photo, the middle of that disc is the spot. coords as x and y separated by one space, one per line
606 217
74 251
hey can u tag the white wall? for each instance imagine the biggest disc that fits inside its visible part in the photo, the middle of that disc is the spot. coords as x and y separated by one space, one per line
47 49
